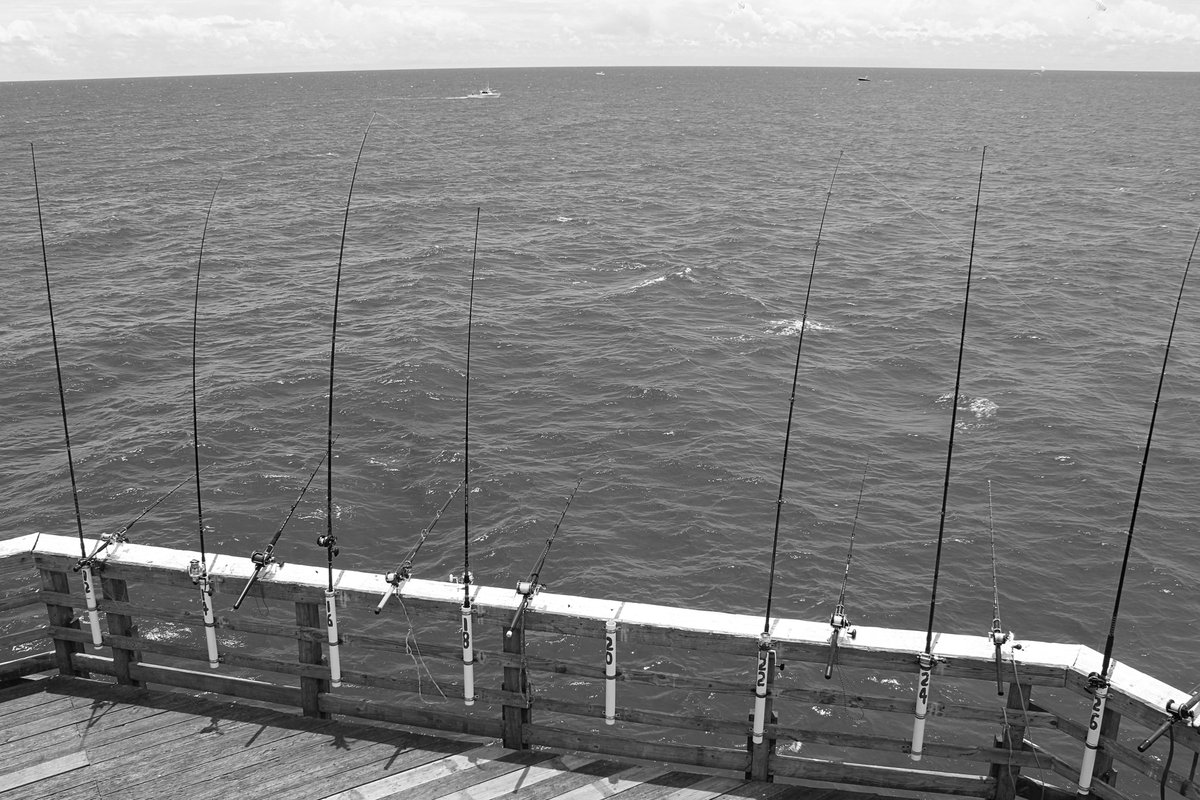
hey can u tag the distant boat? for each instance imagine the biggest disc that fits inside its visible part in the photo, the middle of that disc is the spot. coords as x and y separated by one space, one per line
599 73
867 80
486 91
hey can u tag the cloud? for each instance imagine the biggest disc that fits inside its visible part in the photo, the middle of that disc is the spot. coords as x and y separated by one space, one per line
157 37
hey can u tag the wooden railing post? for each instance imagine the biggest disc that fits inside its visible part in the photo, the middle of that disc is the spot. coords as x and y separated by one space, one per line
121 625
63 617
516 680
760 754
1106 770
309 616
1012 738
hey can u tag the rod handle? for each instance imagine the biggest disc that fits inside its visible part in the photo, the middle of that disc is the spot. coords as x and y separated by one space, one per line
833 649
246 588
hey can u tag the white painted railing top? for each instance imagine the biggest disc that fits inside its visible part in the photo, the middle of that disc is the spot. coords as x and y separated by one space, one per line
1075 658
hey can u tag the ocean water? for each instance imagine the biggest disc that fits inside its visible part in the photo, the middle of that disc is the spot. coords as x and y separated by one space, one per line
644 247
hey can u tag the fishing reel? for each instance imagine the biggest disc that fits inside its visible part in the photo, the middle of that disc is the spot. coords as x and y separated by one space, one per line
263 559
529 588
840 622
1176 712
997 635
468 576
927 661
198 575
119 537
399 575
1183 712
328 541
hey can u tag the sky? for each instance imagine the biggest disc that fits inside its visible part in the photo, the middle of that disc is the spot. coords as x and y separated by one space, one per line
66 39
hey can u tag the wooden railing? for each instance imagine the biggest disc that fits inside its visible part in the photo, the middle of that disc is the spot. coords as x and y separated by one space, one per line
684 679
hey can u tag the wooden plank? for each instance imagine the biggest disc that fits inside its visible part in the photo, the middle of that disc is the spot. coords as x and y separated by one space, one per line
310 615
204 682
125 729
40 719
519 782
23 694
567 780
61 616
615 784
890 777
43 770
416 776
17 668
16 638
30 741
288 764
516 682
662 785
451 774
22 599
191 761
623 747
117 591
706 788
1012 738
378 770
16 549
35 747
1071 772
412 715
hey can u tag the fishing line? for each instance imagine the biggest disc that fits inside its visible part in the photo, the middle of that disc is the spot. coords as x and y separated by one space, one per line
327 540
89 584
766 655
1098 681
926 659
198 570
414 652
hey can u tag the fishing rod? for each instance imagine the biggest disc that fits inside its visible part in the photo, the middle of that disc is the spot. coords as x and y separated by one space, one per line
327 539
1177 712
89 582
997 634
265 558
530 586
1098 681
468 630
403 572
120 537
925 660
198 569
765 653
838 620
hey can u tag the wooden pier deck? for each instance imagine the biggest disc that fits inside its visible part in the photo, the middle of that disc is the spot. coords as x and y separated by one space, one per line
69 739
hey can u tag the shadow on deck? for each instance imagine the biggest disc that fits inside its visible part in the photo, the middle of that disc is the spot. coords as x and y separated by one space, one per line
71 738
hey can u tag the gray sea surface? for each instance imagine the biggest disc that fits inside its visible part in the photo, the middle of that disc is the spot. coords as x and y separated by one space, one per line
644 248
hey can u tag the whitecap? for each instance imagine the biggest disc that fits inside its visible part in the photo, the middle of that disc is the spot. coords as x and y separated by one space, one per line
791 327
981 407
